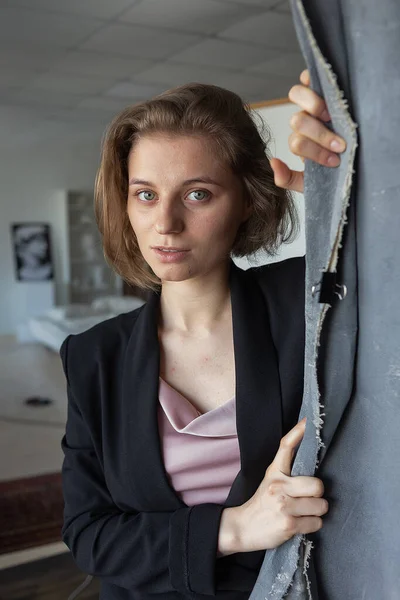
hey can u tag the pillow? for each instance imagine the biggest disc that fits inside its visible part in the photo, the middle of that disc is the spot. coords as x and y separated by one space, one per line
79 311
58 313
117 304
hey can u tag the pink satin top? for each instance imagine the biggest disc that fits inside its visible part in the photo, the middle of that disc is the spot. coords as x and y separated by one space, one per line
201 451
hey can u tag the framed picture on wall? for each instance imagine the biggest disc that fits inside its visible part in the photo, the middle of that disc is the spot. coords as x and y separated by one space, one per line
32 252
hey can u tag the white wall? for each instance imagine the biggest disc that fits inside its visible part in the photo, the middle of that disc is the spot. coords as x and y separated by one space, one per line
33 184
277 119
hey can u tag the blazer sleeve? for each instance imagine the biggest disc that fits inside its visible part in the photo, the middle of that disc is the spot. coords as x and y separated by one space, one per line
158 552
283 285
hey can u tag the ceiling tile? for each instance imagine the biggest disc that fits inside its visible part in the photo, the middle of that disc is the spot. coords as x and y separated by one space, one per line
172 74
7 93
81 115
16 77
61 63
252 98
205 17
274 89
131 90
284 65
26 27
12 56
112 105
283 6
45 98
263 3
139 41
8 113
221 53
244 84
274 30
74 135
101 9
22 126
73 84
103 65
25 128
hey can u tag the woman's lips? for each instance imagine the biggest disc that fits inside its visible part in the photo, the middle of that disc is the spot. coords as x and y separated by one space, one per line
170 255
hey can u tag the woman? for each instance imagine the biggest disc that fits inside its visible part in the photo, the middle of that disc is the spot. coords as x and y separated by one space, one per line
176 479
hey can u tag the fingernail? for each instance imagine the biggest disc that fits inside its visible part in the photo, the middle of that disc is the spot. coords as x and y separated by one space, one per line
337 145
326 116
333 160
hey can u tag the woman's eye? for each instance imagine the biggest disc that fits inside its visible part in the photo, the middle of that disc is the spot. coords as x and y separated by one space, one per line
146 196
198 195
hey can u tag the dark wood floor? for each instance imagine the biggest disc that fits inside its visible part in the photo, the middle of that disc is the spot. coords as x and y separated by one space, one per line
53 578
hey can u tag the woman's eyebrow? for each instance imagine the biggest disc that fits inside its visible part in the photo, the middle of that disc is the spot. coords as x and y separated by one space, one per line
134 181
204 179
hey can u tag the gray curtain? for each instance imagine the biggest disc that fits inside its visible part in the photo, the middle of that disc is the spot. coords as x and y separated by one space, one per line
352 361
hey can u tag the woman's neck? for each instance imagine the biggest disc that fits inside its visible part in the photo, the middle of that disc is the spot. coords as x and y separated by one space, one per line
197 304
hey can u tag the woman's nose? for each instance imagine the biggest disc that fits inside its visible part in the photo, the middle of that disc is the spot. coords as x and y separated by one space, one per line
168 218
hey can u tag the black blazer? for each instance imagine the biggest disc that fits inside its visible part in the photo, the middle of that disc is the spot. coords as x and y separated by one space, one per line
123 521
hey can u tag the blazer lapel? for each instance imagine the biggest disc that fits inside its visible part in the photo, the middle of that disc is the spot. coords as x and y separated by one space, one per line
148 478
258 393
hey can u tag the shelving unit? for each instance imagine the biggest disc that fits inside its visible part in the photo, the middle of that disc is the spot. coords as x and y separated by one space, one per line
90 276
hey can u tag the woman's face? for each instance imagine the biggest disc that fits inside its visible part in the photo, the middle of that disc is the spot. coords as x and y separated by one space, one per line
185 206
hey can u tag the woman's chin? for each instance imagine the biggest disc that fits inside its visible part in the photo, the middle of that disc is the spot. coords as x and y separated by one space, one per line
172 272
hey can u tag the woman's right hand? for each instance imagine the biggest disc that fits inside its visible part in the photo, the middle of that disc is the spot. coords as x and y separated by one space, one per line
282 506
310 138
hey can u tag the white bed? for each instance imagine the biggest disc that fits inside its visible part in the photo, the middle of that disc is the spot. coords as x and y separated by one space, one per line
51 328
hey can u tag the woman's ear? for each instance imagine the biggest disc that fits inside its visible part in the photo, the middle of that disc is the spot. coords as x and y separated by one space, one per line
247 210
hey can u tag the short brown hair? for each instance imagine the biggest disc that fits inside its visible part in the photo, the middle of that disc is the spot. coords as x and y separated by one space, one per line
192 109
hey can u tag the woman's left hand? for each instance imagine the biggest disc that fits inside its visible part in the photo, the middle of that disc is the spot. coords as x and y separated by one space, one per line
310 138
